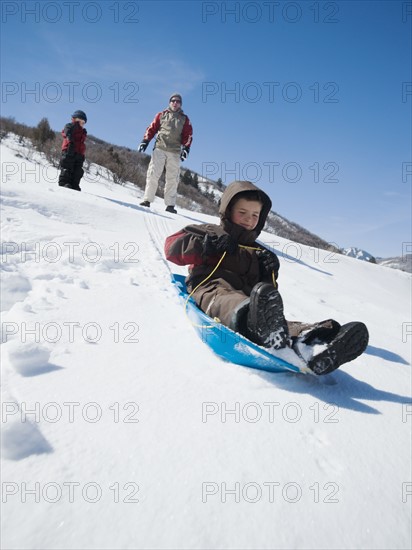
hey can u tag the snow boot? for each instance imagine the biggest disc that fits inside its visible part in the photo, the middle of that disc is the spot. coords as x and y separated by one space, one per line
350 342
171 209
321 333
145 203
238 321
266 324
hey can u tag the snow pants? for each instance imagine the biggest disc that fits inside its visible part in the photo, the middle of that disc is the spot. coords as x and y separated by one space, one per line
159 160
71 165
219 299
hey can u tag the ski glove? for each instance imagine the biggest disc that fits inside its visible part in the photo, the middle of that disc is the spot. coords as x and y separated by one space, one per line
213 244
68 129
143 146
269 263
184 154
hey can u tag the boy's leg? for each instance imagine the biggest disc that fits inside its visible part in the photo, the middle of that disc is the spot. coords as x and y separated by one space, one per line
65 178
78 172
154 172
67 167
172 178
219 299
309 332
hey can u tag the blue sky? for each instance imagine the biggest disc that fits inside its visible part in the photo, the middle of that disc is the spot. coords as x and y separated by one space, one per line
309 100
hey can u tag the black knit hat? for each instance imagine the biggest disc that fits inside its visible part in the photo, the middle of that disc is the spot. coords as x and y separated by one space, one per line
80 114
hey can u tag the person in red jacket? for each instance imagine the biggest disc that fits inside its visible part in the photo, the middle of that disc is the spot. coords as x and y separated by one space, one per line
174 139
73 150
233 278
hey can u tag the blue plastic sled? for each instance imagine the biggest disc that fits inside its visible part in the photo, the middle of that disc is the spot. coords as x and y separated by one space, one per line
230 345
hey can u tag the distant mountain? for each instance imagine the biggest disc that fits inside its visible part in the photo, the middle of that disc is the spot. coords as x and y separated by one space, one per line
359 254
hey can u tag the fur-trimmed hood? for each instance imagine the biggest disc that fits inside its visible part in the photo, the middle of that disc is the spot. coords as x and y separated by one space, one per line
234 189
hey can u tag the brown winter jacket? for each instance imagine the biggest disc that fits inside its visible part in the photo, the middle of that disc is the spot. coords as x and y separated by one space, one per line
241 270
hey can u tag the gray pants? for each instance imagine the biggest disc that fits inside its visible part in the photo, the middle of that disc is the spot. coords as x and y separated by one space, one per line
159 160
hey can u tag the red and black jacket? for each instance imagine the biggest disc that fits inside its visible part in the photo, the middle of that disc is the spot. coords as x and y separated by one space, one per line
74 138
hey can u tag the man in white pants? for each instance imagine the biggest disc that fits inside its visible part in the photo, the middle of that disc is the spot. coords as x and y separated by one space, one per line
174 138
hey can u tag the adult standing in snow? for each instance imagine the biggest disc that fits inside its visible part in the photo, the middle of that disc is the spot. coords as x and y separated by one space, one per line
174 139
73 150
234 279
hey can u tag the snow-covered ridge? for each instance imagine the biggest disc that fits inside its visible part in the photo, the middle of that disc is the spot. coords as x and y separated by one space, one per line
359 254
122 430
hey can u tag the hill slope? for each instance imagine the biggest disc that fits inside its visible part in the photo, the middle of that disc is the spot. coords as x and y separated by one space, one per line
122 430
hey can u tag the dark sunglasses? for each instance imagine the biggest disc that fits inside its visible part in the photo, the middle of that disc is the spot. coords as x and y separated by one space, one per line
175 101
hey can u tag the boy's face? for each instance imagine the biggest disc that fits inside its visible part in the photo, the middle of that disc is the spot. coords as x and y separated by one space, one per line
79 120
246 213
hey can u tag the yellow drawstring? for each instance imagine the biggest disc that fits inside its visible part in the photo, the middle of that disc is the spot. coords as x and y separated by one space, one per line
199 285
275 284
216 319
249 247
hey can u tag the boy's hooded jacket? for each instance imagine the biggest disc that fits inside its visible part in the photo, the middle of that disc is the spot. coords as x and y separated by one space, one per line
241 270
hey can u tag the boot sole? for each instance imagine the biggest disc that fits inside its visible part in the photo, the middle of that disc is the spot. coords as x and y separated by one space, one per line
350 342
276 336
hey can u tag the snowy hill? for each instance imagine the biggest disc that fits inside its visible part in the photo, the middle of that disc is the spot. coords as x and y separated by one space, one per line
122 430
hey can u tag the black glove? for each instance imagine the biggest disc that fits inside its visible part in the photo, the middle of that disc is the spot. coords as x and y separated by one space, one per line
184 154
213 244
68 130
143 146
269 263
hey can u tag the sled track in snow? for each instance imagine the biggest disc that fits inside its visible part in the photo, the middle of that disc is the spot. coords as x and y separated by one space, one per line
158 228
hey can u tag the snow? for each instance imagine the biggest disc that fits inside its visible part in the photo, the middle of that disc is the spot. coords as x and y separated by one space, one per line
121 429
